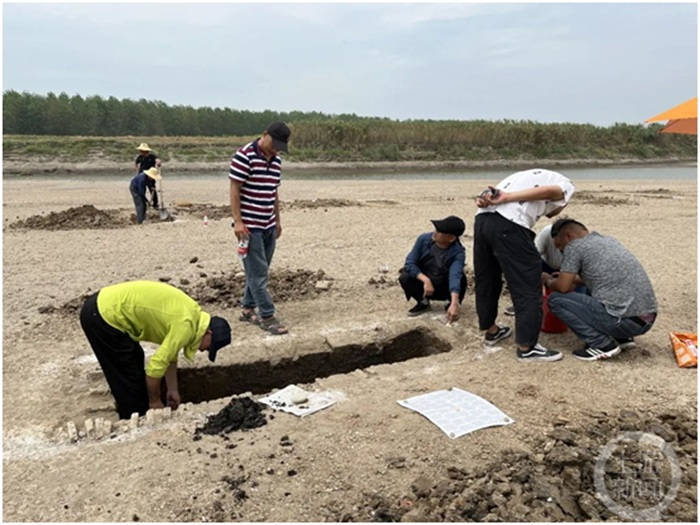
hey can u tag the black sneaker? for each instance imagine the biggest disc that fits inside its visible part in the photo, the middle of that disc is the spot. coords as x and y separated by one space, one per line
594 354
502 333
509 311
418 309
539 353
626 343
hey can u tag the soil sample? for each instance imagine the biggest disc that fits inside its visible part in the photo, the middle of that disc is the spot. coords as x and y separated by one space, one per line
241 413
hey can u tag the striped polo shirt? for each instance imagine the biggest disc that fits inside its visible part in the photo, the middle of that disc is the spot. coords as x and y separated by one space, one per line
259 180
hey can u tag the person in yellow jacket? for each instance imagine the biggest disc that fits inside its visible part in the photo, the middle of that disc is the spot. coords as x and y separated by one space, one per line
117 317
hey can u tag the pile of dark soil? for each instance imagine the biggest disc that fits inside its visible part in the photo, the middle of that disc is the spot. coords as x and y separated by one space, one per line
242 413
601 199
555 482
212 211
227 290
659 193
284 285
386 202
79 218
319 203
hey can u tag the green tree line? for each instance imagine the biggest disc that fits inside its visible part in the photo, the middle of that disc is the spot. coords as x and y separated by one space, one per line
206 133
32 114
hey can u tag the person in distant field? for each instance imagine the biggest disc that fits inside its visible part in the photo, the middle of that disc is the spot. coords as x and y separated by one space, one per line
254 176
503 246
137 187
147 160
621 304
117 317
434 268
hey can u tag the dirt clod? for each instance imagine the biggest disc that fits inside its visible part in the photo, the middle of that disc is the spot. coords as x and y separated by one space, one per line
318 203
559 484
242 413
284 285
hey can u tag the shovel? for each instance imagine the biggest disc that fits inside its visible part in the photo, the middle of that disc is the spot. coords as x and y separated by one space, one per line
162 211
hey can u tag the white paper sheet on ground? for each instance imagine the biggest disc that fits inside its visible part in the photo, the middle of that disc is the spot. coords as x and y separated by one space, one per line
456 412
284 400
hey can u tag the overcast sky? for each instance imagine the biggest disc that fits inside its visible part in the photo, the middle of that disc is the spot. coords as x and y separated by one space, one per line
596 63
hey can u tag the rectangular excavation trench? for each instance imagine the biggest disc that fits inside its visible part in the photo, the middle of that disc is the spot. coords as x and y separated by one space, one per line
260 377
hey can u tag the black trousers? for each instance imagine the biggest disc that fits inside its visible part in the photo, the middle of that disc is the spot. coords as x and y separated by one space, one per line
504 248
121 359
413 287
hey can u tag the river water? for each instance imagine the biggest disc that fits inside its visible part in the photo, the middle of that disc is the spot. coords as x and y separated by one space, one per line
676 171
647 172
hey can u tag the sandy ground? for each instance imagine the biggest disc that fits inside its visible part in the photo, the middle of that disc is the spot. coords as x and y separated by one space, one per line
345 456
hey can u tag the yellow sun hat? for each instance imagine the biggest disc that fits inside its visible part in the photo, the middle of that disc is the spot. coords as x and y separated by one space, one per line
154 173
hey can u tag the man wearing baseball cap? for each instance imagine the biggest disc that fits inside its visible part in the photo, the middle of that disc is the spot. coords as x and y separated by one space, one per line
434 268
255 172
119 316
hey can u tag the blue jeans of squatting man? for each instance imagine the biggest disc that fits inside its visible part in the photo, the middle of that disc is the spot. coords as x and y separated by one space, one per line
261 248
590 321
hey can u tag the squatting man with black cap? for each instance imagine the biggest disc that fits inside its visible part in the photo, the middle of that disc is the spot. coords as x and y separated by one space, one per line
434 268
119 316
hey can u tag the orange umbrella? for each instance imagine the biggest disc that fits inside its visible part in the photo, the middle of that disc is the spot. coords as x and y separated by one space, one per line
682 119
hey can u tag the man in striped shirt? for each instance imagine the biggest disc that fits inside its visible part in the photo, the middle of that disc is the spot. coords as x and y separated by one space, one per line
254 175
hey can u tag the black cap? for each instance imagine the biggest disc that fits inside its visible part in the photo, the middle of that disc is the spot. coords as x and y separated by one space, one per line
280 135
220 335
451 224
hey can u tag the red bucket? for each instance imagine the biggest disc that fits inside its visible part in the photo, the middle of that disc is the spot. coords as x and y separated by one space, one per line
551 324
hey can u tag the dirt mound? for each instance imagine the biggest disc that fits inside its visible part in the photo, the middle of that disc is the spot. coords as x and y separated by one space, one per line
319 203
79 218
386 202
227 290
241 413
557 480
70 308
284 285
223 211
383 281
212 211
601 199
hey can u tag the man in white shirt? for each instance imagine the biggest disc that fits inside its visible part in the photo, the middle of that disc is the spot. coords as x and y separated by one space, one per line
503 246
551 256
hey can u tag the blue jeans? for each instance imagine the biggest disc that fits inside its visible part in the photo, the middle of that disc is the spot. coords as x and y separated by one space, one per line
590 321
140 205
261 247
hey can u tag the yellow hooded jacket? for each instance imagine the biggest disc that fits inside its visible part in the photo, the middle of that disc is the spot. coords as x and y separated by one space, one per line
158 313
